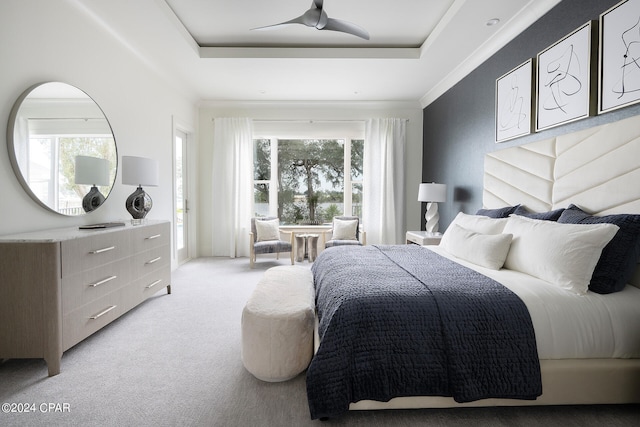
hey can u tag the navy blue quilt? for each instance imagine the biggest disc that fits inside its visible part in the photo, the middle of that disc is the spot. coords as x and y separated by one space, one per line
403 321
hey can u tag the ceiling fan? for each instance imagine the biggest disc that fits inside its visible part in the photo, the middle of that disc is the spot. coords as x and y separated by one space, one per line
317 17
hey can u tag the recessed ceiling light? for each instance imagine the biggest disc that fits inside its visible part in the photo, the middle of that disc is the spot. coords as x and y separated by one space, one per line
492 22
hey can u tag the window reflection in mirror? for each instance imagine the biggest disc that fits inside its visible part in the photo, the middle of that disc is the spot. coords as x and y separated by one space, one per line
53 123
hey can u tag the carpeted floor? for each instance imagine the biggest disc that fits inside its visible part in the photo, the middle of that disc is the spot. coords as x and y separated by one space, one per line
175 360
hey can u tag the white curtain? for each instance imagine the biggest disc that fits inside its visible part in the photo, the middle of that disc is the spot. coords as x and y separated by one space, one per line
384 200
232 186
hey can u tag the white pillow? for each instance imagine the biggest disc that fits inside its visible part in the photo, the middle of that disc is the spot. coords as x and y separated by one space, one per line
344 229
562 254
267 229
485 250
477 223
480 223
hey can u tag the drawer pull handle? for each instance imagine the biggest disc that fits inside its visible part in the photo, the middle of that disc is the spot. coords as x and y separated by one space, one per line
102 282
154 283
102 313
155 236
99 251
153 260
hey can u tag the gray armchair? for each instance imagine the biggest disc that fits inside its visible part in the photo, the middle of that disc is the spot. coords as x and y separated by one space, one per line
342 232
273 242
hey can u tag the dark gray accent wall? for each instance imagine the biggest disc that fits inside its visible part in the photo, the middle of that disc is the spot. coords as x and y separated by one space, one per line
459 125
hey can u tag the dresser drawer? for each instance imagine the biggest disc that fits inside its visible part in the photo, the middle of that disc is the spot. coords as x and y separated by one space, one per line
149 237
89 285
84 321
152 283
90 252
145 262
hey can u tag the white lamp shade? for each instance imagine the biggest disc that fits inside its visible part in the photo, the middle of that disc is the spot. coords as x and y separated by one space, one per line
140 171
91 171
432 192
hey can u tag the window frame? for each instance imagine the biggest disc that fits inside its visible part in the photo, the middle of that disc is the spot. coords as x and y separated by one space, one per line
272 183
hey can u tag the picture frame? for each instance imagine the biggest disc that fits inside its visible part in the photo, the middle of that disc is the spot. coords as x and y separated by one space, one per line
619 70
565 83
514 102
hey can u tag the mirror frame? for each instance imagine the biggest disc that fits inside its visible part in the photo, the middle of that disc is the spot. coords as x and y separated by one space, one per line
14 160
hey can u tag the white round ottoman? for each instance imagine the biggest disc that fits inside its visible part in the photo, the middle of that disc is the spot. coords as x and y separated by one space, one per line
277 324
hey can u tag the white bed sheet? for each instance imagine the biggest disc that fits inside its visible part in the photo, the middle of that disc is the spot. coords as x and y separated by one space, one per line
570 326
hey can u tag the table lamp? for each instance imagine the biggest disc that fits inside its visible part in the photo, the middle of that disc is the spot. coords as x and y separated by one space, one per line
92 171
432 193
139 171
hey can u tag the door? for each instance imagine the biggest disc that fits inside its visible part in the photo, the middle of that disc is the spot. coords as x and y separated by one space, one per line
181 201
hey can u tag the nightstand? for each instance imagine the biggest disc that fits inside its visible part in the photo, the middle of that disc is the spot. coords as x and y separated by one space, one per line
423 238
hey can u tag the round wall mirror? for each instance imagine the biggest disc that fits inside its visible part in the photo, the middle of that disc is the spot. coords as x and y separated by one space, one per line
62 148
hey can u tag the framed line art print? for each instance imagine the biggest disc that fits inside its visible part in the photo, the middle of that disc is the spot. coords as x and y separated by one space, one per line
514 102
565 79
619 79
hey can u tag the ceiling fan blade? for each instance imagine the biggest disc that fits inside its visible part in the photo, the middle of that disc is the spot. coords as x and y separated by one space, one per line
345 27
297 20
310 18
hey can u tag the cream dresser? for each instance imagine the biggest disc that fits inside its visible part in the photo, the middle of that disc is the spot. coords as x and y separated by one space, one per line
59 286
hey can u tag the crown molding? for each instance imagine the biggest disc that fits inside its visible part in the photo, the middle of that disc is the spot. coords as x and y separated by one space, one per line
301 105
310 52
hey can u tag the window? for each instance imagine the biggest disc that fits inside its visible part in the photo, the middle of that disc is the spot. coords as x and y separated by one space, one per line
303 181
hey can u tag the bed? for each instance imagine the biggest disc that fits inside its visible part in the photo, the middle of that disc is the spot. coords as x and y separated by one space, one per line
587 343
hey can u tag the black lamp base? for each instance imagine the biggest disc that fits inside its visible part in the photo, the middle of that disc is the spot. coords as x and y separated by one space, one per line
92 200
138 204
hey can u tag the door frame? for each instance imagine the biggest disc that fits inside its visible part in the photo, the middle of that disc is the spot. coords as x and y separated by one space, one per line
188 178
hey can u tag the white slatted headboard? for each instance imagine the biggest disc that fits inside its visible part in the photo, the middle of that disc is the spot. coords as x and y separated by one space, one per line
597 169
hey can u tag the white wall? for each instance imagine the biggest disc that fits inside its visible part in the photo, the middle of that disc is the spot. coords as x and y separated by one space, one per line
44 40
306 111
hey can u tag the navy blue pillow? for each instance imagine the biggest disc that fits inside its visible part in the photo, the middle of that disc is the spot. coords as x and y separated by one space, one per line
620 257
497 213
546 216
